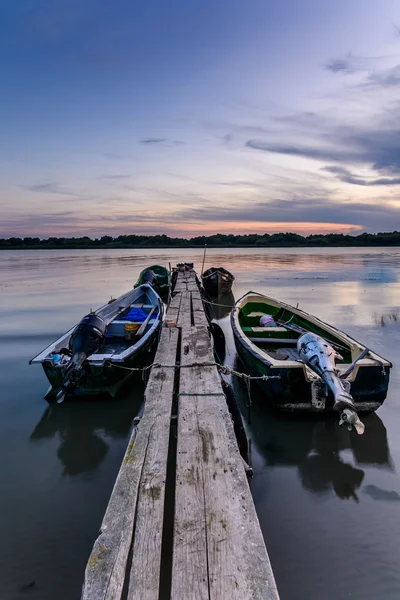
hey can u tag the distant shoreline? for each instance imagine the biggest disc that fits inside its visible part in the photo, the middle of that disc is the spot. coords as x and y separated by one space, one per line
196 247
219 240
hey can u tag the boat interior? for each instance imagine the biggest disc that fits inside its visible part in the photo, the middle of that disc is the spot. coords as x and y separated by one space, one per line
129 319
129 327
280 341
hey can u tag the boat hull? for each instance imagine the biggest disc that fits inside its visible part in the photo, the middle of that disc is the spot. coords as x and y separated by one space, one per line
162 284
130 341
217 281
104 379
290 390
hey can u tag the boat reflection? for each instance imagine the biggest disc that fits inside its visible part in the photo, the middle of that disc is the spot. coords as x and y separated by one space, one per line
84 429
327 457
219 307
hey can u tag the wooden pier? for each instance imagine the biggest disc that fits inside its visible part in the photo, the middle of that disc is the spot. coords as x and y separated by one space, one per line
181 523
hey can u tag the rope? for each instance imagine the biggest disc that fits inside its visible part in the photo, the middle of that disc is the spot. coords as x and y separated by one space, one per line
215 304
221 368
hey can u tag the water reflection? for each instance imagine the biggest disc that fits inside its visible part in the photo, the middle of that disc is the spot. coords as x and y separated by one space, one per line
316 448
384 318
83 428
221 305
327 457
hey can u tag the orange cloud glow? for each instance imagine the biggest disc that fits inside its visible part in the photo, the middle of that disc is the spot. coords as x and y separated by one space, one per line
240 227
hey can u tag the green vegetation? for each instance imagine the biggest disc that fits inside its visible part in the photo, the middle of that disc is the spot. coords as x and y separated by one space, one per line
218 240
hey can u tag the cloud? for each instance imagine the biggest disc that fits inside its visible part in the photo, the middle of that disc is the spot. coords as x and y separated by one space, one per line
50 188
375 145
160 141
351 63
307 119
303 151
388 78
346 176
153 141
114 176
360 215
340 65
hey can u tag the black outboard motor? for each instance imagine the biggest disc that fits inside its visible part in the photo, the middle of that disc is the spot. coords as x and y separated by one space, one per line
149 277
87 337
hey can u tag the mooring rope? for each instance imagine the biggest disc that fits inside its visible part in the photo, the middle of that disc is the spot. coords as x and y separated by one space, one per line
221 368
216 304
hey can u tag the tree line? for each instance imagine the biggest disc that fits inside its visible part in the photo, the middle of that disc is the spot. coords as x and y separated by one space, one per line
217 240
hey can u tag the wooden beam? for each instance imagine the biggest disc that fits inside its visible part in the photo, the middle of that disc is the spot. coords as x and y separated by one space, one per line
212 493
105 571
144 577
185 312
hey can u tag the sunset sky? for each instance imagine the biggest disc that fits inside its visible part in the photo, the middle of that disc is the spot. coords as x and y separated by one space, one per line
188 117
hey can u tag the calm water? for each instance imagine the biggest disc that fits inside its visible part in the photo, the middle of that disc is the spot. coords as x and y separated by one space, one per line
328 501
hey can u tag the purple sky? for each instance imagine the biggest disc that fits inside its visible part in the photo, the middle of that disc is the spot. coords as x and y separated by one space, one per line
196 117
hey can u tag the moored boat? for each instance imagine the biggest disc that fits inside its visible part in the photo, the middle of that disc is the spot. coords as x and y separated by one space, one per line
217 281
158 277
271 349
91 358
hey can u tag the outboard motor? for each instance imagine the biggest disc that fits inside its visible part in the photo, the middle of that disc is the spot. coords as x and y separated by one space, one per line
87 337
149 277
320 357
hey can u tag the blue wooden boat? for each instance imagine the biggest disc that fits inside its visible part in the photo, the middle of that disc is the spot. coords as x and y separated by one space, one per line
92 357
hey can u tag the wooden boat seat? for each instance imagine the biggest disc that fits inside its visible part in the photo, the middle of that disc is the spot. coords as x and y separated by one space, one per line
267 329
284 354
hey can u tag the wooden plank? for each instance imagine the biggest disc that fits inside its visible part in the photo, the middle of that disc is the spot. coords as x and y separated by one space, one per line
185 316
174 307
175 302
190 569
199 316
237 561
105 571
146 555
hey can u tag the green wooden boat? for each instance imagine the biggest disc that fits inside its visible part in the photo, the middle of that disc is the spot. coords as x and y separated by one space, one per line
158 277
272 351
91 358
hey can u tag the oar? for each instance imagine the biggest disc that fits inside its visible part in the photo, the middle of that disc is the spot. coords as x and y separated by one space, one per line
143 326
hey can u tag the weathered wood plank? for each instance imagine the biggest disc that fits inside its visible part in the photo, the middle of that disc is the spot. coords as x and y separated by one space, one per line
175 302
105 571
199 316
185 317
189 571
237 560
146 555
190 568
174 307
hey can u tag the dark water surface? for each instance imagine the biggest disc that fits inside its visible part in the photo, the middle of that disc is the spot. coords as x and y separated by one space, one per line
328 501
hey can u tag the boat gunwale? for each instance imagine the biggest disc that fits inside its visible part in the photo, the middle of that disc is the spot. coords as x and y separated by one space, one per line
273 363
114 358
216 271
166 274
